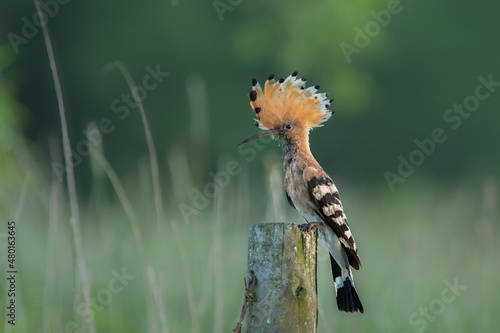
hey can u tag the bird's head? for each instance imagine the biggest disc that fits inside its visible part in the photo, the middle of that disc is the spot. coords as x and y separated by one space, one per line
287 109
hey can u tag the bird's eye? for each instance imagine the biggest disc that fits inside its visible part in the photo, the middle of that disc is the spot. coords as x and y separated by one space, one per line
288 126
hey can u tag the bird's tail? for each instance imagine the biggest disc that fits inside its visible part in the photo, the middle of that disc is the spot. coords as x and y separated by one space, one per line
347 295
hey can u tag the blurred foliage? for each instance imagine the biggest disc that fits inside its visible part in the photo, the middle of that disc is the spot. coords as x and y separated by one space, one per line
395 90
441 223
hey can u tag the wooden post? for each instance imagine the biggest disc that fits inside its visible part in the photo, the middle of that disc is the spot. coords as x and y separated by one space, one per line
283 260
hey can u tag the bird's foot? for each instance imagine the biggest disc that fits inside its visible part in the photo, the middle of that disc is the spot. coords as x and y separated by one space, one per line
306 227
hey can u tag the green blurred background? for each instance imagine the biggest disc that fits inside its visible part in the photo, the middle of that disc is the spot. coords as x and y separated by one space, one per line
397 70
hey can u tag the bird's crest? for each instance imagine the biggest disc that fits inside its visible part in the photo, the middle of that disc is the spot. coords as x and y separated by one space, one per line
288 101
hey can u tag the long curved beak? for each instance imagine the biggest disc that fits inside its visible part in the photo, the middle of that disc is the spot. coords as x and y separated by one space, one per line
276 131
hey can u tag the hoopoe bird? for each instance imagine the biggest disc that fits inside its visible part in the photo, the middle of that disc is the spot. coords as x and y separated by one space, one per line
288 111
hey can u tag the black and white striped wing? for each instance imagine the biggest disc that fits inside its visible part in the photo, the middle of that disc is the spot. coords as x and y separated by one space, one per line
325 195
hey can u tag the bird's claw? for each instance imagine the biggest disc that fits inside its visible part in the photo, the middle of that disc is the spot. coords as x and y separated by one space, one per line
306 227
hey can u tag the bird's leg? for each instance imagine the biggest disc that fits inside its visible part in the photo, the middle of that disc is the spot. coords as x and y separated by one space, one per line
306 227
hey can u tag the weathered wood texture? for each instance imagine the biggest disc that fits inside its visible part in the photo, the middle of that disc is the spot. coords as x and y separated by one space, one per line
283 259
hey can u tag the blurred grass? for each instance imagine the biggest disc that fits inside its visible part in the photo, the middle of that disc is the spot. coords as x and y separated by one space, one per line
410 241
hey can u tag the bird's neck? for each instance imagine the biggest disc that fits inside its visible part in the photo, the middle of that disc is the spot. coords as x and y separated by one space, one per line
298 153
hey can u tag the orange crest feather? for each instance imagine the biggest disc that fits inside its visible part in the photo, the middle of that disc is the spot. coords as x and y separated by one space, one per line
288 101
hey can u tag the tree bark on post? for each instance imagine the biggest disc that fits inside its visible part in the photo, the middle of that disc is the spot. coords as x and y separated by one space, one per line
283 260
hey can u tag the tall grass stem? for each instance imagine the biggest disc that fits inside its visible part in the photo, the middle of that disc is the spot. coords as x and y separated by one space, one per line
70 178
